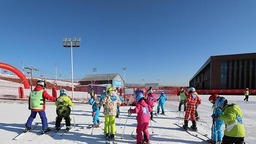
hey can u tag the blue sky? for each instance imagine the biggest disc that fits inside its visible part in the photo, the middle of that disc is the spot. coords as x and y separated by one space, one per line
163 41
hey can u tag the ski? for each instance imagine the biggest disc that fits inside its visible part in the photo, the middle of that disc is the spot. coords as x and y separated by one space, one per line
192 134
112 141
43 133
21 134
64 133
133 135
61 132
153 120
89 126
109 140
205 135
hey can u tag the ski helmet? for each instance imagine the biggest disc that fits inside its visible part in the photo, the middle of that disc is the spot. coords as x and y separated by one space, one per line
63 92
109 89
213 97
221 102
191 89
139 95
41 83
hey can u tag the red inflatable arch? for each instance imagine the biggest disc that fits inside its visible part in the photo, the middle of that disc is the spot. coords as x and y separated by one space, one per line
17 72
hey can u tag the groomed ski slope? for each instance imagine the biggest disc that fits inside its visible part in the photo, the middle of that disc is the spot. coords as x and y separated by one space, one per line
13 115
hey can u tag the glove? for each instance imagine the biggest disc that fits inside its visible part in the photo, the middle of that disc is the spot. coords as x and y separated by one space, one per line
214 117
93 114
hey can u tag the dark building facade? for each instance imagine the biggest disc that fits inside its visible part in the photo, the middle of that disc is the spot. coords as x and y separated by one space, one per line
237 71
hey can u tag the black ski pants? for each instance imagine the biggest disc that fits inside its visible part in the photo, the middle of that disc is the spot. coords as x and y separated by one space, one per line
59 119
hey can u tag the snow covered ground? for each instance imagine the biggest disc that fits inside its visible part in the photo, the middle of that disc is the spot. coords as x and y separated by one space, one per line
13 115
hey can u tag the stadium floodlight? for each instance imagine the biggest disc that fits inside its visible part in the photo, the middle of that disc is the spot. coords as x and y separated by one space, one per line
31 69
124 69
71 43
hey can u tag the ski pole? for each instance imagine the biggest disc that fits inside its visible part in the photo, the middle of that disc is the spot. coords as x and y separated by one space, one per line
92 130
119 121
125 124
73 116
179 117
151 127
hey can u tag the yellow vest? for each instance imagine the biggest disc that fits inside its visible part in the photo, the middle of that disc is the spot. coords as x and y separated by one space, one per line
36 100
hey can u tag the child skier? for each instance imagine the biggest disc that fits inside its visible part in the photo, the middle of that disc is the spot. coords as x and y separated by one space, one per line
246 94
216 130
161 100
232 115
37 105
192 100
63 110
143 110
95 112
151 99
110 102
182 97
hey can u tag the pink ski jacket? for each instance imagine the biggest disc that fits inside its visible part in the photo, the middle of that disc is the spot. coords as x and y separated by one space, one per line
151 99
143 112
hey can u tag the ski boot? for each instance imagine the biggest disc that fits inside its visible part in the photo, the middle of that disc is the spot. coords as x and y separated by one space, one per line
146 141
107 136
95 126
185 126
46 130
57 129
193 127
68 128
112 136
27 129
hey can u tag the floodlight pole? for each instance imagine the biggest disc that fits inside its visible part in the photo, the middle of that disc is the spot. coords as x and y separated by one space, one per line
31 75
124 69
70 43
56 71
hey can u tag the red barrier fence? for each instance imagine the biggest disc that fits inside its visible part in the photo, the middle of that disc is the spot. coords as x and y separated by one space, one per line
226 91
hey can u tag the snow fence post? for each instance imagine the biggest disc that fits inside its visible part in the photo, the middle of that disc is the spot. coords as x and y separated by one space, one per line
21 92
